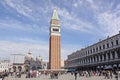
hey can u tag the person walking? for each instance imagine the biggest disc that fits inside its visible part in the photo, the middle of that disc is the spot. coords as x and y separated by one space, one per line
75 74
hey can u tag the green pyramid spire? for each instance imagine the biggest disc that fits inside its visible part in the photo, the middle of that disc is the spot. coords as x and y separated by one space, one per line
55 16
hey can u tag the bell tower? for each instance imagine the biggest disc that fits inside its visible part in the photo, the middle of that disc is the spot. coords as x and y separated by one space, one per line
54 43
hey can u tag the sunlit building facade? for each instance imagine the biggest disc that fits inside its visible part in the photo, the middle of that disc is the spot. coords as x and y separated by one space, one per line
4 65
17 61
105 53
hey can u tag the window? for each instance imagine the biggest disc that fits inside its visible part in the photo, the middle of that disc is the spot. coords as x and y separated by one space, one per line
100 47
112 43
107 45
116 42
96 49
88 51
91 50
103 46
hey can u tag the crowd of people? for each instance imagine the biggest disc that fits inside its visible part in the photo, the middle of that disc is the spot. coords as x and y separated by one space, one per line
107 74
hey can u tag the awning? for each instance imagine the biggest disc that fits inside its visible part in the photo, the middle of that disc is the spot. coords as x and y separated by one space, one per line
101 66
114 65
108 67
98 67
119 65
71 70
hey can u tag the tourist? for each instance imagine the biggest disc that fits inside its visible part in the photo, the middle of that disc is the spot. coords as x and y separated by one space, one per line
75 74
111 74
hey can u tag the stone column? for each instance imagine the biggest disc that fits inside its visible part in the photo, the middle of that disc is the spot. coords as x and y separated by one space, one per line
106 56
90 60
85 61
116 55
93 59
103 58
79 61
99 58
82 62
111 56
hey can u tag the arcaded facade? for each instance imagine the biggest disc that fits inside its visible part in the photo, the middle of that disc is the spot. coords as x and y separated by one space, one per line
105 53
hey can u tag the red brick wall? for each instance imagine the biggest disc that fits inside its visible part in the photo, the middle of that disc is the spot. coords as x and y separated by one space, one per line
54 55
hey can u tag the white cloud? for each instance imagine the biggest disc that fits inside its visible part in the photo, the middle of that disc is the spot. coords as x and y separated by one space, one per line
72 22
23 27
110 20
37 48
30 9
8 47
77 3
20 8
31 12
107 17
35 12
93 5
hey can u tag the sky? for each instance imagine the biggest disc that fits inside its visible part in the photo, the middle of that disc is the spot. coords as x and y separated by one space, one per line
24 25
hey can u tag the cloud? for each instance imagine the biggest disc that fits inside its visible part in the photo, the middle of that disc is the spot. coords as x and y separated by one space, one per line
36 47
77 3
67 18
31 17
16 25
37 12
8 47
19 7
105 14
72 22
30 9
110 20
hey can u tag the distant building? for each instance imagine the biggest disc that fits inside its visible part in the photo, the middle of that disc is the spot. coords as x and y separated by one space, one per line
29 62
62 64
45 65
39 62
33 64
4 65
17 61
101 55
21 62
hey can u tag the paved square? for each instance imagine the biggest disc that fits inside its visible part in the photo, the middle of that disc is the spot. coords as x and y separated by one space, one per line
61 77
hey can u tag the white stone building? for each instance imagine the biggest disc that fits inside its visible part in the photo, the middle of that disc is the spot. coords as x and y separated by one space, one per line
105 53
17 60
4 65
